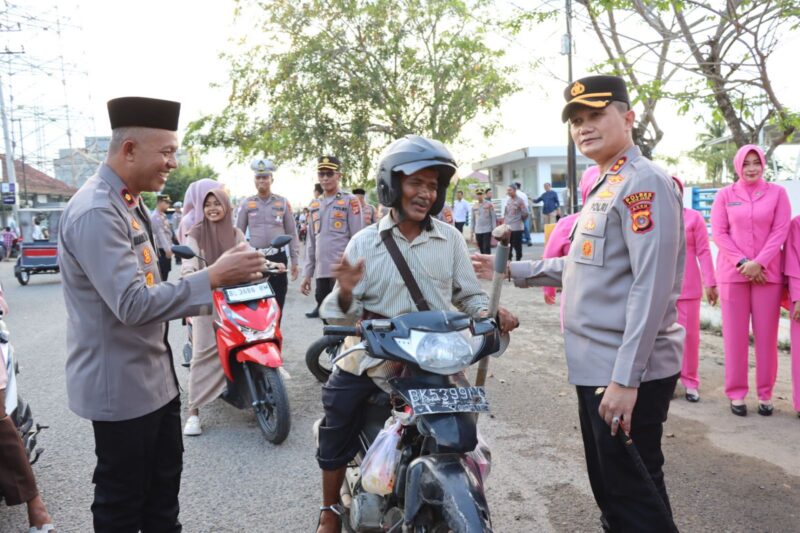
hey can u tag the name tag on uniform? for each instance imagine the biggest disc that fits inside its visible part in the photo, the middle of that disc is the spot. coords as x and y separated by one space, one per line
734 203
139 239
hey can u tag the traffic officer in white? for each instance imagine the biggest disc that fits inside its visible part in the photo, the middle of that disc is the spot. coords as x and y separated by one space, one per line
622 279
119 368
268 215
335 217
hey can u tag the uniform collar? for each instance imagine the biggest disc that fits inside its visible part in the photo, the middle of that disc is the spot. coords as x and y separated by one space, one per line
387 222
621 162
759 192
121 193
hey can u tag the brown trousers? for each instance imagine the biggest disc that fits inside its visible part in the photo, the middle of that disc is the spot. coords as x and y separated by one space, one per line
17 484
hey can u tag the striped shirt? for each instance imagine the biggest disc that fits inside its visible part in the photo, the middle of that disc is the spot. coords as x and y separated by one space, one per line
440 263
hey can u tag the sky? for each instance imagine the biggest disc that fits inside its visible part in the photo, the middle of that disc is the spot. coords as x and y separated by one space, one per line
170 49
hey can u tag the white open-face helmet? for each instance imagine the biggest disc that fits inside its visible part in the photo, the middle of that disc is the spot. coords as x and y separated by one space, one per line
262 167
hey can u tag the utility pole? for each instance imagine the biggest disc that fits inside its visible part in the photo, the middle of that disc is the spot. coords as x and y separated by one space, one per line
12 178
572 184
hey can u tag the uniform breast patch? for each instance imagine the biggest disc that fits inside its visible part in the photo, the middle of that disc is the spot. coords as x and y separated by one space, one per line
139 239
147 256
587 249
252 205
135 224
355 206
640 204
149 279
616 179
605 194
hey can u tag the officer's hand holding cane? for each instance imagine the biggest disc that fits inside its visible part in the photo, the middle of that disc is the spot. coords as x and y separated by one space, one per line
616 408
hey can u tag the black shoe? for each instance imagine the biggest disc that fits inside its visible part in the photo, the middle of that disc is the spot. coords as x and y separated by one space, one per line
765 409
530 244
694 398
739 410
313 314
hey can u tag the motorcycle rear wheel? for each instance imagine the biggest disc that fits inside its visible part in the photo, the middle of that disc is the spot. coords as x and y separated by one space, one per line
272 404
320 354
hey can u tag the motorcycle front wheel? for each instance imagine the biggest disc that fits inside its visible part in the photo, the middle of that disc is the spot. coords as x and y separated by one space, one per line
271 405
320 354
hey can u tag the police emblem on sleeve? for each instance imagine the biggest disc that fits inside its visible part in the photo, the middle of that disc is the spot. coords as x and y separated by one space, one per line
640 205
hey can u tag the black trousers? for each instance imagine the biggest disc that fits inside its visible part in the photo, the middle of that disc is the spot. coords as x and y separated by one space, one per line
164 264
138 473
342 399
484 242
324 286
279 282
623 496
516 243
460 226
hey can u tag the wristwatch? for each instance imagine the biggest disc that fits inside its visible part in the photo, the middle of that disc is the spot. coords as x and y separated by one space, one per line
741 262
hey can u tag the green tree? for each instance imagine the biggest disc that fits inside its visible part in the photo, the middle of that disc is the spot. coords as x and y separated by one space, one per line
180 178
348 76
715 151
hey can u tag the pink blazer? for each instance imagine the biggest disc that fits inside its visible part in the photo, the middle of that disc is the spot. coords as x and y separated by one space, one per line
792 268
558 244
697 250
755 229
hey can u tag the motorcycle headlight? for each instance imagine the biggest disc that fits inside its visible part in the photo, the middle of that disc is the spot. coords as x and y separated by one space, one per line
441 353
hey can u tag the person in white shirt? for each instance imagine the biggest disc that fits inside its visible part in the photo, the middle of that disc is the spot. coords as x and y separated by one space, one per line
461 210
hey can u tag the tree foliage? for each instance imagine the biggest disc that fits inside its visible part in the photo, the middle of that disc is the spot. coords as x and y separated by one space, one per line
348 76
180 178
706 55
715 151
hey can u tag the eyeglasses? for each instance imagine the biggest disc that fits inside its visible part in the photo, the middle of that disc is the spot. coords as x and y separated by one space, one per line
326 173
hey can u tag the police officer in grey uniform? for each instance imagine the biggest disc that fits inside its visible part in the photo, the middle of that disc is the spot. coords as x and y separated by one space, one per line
119 369
162 233
514 217
268 215
334 218
622 277
482 222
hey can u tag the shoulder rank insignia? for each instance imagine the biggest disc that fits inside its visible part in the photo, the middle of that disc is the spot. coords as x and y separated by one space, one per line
640 205
128 197
135 224
355 205
618 165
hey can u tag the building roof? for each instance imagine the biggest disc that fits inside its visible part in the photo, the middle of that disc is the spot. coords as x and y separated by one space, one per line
35 181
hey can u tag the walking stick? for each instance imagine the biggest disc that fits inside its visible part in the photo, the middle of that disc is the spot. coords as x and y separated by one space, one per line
503 235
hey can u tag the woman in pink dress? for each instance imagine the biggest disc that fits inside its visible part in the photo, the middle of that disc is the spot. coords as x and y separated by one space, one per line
698 254
792 271
749 224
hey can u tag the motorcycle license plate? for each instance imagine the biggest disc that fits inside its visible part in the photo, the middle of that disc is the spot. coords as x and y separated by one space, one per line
248 293
449 400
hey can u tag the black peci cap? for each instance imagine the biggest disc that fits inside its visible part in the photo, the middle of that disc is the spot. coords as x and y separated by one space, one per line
164 198
594 91
359 190
136 111
328 162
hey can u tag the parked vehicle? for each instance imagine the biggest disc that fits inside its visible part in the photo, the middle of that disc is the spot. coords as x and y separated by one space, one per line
438 481
16 407
249 343
39 249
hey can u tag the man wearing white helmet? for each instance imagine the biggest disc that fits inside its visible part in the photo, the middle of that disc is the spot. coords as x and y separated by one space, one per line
268 215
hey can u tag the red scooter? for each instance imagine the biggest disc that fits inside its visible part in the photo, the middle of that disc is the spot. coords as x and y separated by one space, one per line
249 343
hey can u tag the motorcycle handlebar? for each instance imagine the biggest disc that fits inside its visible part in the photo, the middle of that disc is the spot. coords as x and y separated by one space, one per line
343 331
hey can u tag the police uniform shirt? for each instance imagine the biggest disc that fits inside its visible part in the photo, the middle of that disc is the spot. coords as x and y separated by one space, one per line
118 364
334 220
370 214
445 215
162 231
512 217
483 218
622 277
267 218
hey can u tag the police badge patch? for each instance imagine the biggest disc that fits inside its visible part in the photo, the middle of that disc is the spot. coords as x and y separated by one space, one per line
640 205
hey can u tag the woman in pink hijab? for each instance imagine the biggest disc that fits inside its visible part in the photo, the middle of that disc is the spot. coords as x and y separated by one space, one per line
749 224
193 204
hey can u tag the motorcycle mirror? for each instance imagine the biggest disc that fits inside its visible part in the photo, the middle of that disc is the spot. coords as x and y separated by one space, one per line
280 241
184 252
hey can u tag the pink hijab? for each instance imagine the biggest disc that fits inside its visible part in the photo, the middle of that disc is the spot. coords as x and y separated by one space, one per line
193 204
588 180
738 159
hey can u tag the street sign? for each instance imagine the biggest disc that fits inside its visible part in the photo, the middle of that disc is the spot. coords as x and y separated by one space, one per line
8 191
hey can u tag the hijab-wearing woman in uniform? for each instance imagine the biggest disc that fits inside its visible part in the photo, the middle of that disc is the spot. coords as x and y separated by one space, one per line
792 271
749 224
210 238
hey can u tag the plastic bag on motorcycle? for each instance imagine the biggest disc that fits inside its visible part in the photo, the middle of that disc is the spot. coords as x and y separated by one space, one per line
380 463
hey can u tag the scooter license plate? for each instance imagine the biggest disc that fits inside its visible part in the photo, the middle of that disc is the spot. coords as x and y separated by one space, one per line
449 400
236 295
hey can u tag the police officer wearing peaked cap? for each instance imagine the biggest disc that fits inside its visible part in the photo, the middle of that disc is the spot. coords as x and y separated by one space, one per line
622 278
334 218
267 215
119 369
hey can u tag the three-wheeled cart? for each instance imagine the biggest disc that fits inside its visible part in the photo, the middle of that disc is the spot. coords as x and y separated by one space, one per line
39 249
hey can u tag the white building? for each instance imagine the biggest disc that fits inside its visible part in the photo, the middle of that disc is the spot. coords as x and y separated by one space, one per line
75 166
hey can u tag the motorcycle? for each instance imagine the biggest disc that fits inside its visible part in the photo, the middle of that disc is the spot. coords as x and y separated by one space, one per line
320 356
16 407
438 481
249 344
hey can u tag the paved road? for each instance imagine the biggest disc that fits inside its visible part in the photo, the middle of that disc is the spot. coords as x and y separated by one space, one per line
724 473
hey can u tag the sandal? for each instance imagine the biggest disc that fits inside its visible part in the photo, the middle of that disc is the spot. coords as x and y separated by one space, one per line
336 509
